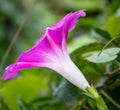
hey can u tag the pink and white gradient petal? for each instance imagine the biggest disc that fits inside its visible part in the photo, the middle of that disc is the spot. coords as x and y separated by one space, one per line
50 51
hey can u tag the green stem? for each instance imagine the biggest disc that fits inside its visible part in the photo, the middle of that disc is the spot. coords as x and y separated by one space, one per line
110 99
80 103
109 42
94 99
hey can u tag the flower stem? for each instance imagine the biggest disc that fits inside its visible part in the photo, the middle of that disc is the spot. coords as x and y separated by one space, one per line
94 99
109 42
110 99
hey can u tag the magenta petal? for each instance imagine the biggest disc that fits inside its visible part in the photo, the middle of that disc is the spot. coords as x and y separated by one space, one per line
70 20
9 72
28 59
49 48
39 56
12 70
59 32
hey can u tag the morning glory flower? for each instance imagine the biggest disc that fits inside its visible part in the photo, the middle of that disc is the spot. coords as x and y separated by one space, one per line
50 51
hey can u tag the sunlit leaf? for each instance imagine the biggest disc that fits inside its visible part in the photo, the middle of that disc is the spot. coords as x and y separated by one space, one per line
79 42
113 26
25 88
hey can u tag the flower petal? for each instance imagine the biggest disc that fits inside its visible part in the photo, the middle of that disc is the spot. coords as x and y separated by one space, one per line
70 20
50 47
12 70
59 32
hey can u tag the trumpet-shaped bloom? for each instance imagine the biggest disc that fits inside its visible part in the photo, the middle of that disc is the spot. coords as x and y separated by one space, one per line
50 51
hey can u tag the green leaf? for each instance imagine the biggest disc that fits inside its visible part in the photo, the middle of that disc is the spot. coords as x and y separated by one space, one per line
79 42
3 105
53 106
85 4
106 55
100 34
113 26
41 99
26 88
22 105
87 48
46 103
67 93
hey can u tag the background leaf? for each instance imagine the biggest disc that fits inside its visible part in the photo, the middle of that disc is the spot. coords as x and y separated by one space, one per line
100 34
106 55
67 93
113 26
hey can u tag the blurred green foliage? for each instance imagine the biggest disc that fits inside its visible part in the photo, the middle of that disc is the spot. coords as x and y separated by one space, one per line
43 89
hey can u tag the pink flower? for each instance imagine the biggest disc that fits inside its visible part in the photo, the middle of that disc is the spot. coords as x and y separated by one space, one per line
50 51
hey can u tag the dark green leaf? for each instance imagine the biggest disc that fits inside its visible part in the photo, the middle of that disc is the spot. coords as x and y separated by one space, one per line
42 99
67 92
87 48
3 105
100 34
22 105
